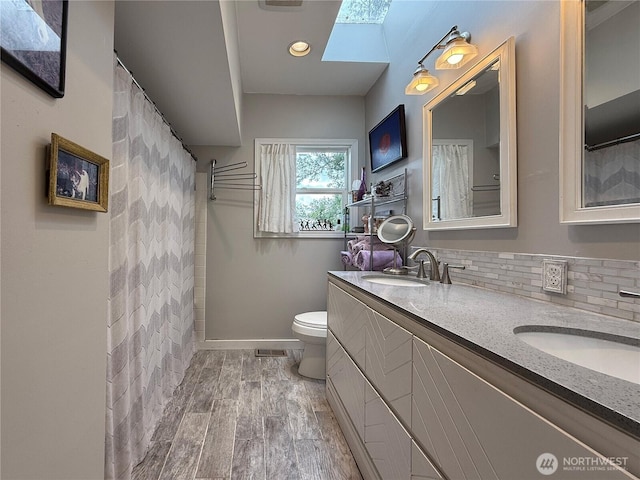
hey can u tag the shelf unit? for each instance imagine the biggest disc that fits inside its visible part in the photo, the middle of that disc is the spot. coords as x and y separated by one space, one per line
374 203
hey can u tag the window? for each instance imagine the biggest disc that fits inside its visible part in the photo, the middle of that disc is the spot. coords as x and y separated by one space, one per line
363 11
319 189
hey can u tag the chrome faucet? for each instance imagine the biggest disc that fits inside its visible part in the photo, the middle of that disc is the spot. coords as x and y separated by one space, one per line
435 271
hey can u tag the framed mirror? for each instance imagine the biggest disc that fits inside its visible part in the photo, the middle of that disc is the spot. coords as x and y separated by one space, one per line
469 161
600 112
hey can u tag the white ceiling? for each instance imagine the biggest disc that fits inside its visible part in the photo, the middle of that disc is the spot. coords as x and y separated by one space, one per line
196 58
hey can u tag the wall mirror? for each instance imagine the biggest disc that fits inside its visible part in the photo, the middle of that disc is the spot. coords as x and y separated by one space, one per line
470 148
600 112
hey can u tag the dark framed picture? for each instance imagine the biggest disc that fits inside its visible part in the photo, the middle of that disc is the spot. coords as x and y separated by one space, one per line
33 38
78 177
388 140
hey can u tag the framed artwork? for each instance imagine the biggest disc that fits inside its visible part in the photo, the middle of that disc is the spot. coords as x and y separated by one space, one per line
78 178
388 140
33 37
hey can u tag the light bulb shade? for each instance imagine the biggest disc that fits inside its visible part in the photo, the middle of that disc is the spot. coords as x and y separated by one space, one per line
421 82
299 48
457 53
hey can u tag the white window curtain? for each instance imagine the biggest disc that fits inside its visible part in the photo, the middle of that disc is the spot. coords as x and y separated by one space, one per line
277 198
450 180
151 262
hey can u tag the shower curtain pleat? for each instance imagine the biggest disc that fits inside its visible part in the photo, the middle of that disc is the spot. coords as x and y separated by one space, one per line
450 180
151 261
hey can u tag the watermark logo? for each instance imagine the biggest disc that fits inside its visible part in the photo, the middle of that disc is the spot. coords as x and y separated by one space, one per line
547 463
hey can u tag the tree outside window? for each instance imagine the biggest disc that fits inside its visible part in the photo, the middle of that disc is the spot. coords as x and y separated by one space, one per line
321 185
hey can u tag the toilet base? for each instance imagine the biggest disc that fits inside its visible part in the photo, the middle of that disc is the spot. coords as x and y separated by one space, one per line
313 364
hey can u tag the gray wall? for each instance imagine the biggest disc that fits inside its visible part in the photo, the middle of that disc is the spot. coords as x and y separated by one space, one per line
256 286
536 27
54 284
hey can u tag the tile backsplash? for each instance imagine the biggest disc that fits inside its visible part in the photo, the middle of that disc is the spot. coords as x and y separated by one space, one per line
591 283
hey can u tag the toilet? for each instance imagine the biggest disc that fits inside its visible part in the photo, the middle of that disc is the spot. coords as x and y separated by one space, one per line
311 328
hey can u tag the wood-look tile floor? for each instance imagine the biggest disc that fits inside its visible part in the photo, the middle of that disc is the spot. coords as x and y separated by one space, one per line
237 416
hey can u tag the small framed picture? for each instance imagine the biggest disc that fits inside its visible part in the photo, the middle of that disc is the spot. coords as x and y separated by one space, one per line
33 41
78 178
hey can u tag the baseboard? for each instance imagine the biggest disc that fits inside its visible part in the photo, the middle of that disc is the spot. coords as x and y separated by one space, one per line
362 458
248 344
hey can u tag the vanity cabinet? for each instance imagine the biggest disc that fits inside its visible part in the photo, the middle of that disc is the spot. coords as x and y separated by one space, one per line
369 373
348 320
348 382
377 345
388 362
473 430
414 407
386 441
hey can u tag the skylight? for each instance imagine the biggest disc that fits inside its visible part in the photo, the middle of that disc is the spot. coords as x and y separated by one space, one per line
363 11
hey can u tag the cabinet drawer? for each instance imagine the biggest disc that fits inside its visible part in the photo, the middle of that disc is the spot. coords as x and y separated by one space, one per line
421 466
347 318
473 430
386 441
388 351
347 381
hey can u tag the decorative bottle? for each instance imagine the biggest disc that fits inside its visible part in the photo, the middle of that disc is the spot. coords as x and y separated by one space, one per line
363 186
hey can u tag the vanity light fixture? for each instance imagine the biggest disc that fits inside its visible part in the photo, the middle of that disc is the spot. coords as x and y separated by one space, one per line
421 82
457 52
299 48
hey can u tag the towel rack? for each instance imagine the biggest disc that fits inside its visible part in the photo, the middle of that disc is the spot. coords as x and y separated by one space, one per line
489 187
617 141
485 188
221 178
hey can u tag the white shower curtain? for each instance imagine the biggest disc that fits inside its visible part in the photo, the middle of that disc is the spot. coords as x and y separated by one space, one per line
612 175
151 257
450 180
277 206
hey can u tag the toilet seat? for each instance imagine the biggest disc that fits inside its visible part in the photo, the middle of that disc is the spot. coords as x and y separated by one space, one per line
311 324
312 319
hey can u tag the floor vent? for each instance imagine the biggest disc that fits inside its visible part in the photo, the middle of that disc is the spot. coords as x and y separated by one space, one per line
263 352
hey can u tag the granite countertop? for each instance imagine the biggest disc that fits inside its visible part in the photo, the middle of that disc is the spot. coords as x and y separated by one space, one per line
484 321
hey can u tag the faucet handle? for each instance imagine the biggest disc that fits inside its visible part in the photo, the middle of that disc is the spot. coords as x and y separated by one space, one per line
445 272
421 273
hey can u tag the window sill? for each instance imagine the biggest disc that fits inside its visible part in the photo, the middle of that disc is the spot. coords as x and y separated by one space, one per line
301 235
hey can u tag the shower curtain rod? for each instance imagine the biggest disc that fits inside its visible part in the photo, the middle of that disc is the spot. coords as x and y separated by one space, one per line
617 141
173 132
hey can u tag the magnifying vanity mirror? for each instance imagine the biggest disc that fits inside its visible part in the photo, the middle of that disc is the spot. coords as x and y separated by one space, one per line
470 148
600 112
395 230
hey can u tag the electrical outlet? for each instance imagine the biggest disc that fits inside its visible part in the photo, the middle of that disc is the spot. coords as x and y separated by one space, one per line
554 276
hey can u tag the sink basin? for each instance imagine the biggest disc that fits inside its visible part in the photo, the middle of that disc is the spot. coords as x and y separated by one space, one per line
612 355
394 280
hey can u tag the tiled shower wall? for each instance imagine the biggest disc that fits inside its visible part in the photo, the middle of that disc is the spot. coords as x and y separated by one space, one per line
592 284
202 193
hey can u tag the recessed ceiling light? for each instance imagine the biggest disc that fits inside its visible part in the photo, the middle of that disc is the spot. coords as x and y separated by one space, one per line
299 48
